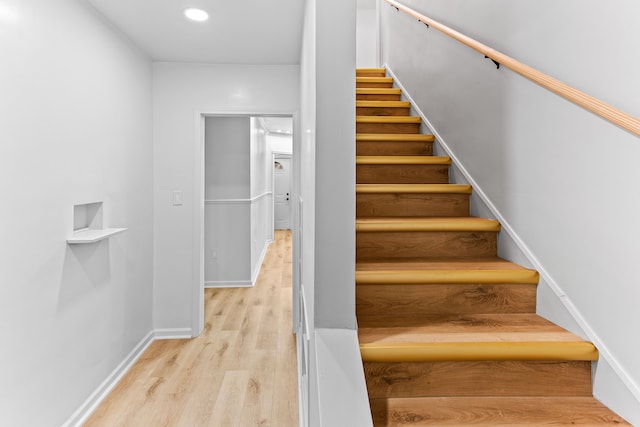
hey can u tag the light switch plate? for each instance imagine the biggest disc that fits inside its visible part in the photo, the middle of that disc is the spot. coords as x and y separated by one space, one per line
177 198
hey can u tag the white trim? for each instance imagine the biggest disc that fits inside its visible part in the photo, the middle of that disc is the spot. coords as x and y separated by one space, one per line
236 201
258 267
302 353
197 260
378 33
282 154
228 284
173 333
102 391
557 289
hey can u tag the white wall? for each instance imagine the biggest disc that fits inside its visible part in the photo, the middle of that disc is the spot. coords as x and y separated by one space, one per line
75 127
324 163
181 93
561 177
335 165
227 158
238 213
366 32
227 209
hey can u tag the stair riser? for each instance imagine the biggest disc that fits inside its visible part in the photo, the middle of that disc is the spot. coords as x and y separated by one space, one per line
408 205
394 148
493 411
382 111
483 378
432 244
413 300
374 85
402 174
387 127
377 97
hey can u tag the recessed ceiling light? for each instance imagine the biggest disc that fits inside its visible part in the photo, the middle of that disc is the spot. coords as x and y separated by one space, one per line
198 15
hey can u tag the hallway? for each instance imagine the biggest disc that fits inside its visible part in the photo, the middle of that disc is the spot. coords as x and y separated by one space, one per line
241 371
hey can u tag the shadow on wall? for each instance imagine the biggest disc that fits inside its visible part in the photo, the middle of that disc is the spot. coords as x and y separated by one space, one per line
85 268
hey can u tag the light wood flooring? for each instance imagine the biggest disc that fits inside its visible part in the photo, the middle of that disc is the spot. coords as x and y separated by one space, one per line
241 371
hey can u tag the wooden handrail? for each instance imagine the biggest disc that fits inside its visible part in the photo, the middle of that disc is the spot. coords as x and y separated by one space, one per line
588 102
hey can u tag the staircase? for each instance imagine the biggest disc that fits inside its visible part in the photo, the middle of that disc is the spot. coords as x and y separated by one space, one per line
448 330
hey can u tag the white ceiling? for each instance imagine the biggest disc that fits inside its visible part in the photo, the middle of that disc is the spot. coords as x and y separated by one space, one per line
237 32
282 125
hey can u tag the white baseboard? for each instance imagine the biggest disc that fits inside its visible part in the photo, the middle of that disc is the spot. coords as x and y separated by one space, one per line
228 284
92 402
172 333
544 275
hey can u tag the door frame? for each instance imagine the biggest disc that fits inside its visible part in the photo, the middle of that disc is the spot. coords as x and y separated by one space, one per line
281 155
197 283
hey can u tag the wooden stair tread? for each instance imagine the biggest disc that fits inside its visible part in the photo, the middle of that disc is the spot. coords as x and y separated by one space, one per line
414 188
471 350
376 79
383 104
455 328
394 137
388 119
493 411
426 224
378 91
486 263
451 276
403 160
526 336
487 270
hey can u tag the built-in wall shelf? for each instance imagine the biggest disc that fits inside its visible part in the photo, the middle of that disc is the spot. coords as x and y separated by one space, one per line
92 236
88 225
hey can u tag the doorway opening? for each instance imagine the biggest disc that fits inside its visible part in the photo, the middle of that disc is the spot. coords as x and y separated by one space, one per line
235 179
282 191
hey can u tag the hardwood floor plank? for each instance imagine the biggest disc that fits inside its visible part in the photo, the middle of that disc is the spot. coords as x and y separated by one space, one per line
241 371
285 405
258 399
237 309
230 402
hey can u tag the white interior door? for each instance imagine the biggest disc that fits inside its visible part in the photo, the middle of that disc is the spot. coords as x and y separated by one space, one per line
282 191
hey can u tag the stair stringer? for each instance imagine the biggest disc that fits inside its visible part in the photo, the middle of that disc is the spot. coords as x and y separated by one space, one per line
553 303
